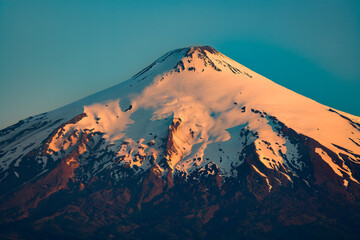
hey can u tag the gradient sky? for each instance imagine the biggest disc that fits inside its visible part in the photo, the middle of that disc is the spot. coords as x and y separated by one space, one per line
53 52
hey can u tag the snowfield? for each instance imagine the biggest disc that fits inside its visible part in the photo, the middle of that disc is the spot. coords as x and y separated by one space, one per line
209 107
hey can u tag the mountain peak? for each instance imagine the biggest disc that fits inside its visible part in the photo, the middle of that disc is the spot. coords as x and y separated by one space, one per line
195 59
202 49
191 49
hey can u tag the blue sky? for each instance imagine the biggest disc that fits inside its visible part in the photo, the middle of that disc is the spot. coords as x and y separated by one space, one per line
53 52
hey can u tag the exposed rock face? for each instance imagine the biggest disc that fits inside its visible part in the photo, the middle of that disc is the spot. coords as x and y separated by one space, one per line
195 146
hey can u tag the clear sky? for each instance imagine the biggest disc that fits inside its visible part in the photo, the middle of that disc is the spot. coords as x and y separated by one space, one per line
53 52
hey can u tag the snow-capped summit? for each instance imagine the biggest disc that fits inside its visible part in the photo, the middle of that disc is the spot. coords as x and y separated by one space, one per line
192 114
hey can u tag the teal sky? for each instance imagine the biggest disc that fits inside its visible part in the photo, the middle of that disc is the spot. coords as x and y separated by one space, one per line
53 52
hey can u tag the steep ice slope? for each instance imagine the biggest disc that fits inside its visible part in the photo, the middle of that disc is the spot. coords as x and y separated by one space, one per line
191 107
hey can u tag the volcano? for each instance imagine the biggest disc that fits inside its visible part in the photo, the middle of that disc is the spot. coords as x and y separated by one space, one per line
194 146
